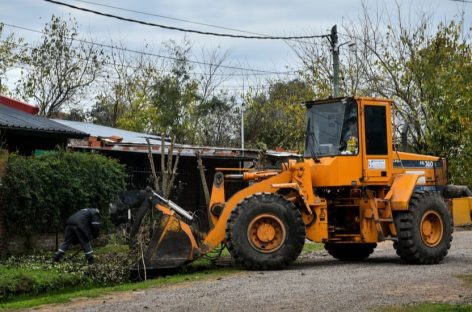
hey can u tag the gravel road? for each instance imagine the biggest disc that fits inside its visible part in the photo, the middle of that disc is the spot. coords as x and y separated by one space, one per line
316 282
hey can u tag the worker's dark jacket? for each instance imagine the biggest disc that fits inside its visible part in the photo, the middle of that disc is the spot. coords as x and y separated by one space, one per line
87 220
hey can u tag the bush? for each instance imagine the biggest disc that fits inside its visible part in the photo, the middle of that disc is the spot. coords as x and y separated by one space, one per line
110 269
41 192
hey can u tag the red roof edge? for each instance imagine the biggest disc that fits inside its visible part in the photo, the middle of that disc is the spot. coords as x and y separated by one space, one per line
22 106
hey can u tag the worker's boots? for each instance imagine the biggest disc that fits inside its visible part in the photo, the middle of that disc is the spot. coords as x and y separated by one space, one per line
58 256
90 259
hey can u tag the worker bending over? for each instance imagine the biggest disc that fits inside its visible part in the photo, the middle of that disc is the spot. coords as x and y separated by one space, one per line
81 228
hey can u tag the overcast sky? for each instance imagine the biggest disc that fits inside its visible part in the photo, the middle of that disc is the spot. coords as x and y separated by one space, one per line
273 17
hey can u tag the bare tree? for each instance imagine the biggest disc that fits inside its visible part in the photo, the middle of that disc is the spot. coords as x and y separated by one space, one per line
128 82
62 67
213 75
387 43
164 182
316 65
217 113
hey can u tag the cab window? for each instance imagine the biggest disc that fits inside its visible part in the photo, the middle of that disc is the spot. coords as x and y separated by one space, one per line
375 130
332 129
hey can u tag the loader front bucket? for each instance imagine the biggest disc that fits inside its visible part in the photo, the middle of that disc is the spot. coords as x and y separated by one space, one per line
159 236
172 243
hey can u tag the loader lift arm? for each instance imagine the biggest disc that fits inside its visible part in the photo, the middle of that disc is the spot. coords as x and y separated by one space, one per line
176 232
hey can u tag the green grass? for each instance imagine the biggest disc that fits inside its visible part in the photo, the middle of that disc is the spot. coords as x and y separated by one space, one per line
310 247
17 280
8 274
65 295
431 307
111 248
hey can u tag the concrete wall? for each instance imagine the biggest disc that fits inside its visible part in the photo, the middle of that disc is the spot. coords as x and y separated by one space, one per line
43 242
18 245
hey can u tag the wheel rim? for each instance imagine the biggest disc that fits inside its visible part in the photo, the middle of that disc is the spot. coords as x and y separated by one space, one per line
431 228
266 233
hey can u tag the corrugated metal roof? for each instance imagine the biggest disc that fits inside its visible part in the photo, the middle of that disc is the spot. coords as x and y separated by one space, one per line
183 150
135 142
106 132
14 119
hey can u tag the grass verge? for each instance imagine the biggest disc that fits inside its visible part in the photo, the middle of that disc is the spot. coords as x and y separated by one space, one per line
65 295
30 280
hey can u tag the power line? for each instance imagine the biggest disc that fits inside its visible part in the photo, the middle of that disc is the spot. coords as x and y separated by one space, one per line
115 64
110 78
260 71
179 19
183 29
169 18
107 78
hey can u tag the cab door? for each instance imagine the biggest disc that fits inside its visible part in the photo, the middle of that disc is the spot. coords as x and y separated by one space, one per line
377 142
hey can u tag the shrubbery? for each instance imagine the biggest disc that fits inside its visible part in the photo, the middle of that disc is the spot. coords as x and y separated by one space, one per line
36 274
39 193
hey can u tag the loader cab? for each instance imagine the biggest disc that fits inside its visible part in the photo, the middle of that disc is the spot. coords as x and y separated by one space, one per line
348 141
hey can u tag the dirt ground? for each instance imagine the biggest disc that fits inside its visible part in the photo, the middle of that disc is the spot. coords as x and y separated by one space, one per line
316 282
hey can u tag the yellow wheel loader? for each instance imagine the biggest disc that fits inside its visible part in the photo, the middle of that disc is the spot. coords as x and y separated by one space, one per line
351 190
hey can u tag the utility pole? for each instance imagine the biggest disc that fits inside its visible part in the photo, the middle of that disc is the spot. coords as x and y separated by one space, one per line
242 119
242 126
335 50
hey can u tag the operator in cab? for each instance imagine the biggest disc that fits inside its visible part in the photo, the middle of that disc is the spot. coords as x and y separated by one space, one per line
82 227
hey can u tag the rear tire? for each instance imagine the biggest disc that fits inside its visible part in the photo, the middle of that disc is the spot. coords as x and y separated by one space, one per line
350 251
265 231
424 231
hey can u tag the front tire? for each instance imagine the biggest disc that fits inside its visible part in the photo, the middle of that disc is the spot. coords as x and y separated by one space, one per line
425 230
265 231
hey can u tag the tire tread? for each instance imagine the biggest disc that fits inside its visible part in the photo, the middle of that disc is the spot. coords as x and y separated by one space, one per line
239 252
410 246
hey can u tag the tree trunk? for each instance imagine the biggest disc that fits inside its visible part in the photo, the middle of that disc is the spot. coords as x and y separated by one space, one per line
155 178
201 169
404 138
